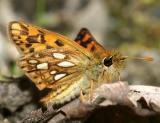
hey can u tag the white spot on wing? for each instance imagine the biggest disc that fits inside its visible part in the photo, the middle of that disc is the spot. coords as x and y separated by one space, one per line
53 72
65 64
58 55
15 26
15 32
32 61
42 66
59 76
36 55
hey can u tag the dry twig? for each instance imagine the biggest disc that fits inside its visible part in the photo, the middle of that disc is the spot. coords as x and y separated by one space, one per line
144 100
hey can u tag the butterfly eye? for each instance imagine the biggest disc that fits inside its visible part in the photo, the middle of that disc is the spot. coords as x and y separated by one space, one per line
108 61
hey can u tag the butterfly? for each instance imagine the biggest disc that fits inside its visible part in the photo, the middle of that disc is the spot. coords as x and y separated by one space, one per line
66 66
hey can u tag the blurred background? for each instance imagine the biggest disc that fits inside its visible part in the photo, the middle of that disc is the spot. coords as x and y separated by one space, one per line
131 26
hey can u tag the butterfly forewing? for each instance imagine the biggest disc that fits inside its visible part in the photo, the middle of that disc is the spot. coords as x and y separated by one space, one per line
30 39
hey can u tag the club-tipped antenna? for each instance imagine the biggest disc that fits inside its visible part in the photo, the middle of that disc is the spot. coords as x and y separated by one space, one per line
145 58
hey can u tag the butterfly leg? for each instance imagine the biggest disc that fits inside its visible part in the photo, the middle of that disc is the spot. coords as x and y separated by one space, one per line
119 76
89 96
91 90
82 96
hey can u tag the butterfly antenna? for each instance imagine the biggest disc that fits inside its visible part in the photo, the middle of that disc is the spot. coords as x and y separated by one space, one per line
145 58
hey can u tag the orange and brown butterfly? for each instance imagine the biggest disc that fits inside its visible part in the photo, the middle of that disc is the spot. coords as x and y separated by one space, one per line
63 65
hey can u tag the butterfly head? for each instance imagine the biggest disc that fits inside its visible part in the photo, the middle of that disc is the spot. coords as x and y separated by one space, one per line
113 62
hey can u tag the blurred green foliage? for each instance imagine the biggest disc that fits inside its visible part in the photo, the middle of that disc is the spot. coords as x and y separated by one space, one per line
135 22
40 11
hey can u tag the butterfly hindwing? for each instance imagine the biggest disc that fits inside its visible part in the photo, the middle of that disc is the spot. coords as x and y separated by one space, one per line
86 40
61 70
52 67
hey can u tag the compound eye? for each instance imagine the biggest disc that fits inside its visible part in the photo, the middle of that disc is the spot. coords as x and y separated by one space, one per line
108 61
